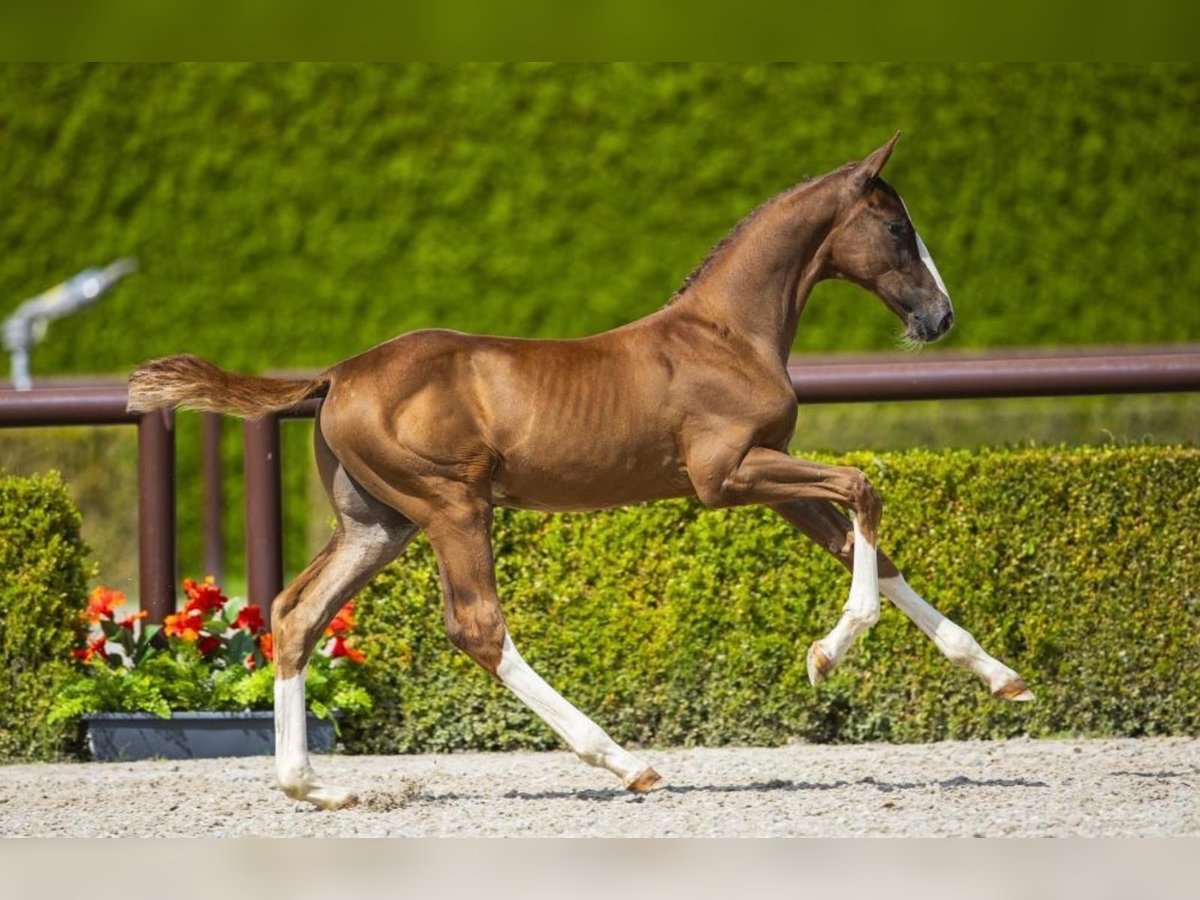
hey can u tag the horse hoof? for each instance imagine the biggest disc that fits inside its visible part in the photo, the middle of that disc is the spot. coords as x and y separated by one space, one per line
819 665
329 797
648 780
1015 690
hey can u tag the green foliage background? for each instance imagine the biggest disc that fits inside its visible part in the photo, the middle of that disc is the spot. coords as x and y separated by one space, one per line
43 568
674 625
288 216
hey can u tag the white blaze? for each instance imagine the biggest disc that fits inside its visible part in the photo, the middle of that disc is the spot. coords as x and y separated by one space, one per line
923 252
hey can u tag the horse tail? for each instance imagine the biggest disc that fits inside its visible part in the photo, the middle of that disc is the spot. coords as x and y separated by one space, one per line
194 383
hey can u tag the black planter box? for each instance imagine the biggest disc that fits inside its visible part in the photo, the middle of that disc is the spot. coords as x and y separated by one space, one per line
192 735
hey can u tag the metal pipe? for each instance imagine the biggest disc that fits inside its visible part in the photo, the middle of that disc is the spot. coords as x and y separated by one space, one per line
156 513
264 512
960 377
65 406
214 547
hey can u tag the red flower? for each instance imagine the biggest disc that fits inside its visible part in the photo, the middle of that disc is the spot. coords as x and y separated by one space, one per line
128 621
343 621
204 597
208 643
341 648
94 648
266 644
249 661
186 625
102 602
250 617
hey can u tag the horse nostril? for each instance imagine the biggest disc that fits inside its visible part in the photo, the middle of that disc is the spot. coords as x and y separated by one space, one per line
947 321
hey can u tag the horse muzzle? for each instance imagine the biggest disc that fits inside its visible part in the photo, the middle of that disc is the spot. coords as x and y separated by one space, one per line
929 326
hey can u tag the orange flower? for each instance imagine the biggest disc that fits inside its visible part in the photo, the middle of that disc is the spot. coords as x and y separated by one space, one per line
203 597
102 602
343 621
266 644
341 648
128 621
184 624
94 648
250 617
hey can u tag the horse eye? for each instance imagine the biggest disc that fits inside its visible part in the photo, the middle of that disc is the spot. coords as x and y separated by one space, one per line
896 228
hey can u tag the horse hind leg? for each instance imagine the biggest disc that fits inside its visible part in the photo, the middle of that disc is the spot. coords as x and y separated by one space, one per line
368 536
475 624
830 530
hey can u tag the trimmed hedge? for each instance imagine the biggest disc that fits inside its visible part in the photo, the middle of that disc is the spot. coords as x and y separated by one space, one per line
671 624
292 215
44 584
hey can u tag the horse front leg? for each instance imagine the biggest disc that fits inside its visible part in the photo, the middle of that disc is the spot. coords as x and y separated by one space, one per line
831 531
460 540
771 477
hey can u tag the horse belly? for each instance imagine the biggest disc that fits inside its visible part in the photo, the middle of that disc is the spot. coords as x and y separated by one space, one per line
572 478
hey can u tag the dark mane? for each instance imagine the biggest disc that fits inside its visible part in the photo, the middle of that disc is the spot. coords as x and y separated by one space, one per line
732 235
720 246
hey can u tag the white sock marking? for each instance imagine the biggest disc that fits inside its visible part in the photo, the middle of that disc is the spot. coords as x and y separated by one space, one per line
292 768
291 738
954 641
584 736
862 607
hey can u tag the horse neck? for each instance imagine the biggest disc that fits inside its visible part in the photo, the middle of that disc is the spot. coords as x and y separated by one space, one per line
757 285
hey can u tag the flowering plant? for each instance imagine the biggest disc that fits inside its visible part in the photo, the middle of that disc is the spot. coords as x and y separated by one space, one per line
213 654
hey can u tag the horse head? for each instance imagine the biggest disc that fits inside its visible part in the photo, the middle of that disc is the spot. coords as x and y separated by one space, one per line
876 247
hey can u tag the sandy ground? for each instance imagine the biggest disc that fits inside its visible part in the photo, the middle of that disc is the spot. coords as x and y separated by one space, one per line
1134 787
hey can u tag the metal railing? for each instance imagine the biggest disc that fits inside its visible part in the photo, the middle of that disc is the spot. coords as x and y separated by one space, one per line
155 465
815 379
962 376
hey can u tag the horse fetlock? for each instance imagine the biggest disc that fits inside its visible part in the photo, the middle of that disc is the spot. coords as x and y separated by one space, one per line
960 648
862 608
295 779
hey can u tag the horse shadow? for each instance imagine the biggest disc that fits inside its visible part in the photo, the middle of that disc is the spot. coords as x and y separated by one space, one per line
773 786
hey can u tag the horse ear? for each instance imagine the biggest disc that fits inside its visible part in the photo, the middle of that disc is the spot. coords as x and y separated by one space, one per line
870 167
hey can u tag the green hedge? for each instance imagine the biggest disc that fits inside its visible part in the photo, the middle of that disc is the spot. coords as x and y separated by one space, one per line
42 590
671 624
289 216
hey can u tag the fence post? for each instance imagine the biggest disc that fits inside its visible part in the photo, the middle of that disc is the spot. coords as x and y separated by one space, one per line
214 550
156 513
264 512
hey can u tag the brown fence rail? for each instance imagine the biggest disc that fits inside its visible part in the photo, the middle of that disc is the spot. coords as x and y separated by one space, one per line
828 380
846 379
156 471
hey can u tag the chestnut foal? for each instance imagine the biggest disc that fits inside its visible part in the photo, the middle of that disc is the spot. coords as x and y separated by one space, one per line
434 429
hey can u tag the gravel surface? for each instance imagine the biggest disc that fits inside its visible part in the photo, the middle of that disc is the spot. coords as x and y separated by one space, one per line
1129 787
